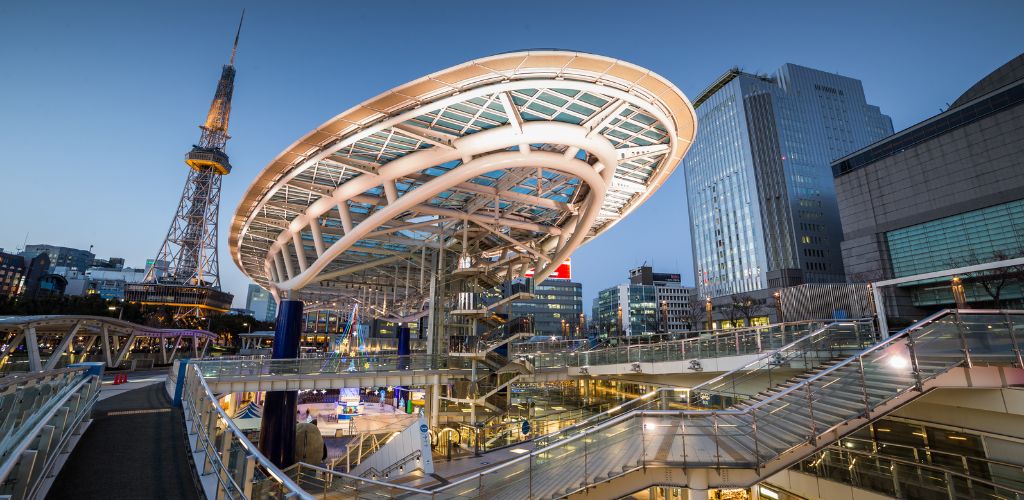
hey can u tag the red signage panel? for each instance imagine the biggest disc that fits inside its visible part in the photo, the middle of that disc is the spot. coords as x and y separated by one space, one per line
564 271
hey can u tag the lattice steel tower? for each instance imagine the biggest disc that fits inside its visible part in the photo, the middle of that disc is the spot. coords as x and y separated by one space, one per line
185 274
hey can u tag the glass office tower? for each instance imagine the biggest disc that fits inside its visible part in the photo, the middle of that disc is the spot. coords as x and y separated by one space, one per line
759 184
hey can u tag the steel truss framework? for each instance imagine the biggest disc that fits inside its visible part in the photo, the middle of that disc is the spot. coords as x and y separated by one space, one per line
190 247
116 337
510 162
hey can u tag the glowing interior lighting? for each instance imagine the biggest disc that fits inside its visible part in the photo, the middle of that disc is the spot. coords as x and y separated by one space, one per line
898 362
519 451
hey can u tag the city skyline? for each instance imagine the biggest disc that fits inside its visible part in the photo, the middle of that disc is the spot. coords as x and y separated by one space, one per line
125 173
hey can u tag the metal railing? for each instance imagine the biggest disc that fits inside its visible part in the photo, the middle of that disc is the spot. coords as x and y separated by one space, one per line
738 342
751 435
755 434
904 478
828 342
40 415
220 369
325 483
238 467
678 398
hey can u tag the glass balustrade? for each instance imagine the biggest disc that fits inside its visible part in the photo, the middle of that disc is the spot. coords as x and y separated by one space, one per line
759 427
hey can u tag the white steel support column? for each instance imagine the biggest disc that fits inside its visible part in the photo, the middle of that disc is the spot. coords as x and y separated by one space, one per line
124 350
105 332
286 256
11 346
32 347
279 266
300 250
177 344
318 239
62 347
697 482
88 345
435 401
345 215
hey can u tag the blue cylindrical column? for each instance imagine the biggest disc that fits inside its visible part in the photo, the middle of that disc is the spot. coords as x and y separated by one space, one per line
404 362
277 431
403 340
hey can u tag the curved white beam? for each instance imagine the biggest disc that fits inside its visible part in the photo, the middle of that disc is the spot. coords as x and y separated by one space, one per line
609 132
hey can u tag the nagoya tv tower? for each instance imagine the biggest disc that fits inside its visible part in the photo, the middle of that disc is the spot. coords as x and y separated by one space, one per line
185 275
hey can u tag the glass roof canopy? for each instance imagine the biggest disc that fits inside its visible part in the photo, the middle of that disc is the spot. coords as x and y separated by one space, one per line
356 175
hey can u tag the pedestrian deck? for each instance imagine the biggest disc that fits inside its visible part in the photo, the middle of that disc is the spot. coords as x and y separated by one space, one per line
135 448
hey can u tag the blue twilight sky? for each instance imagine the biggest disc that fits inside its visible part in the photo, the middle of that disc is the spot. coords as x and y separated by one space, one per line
100 100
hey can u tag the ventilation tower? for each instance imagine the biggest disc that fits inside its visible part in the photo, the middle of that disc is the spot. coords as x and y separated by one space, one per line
185 275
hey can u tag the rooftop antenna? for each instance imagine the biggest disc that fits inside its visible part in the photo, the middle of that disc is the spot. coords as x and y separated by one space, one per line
237 34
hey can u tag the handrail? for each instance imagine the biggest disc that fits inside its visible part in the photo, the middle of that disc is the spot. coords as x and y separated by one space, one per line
300 465
640 413
690 333
16 452
631 414
926 466
771 353
906 331
715 379
267 465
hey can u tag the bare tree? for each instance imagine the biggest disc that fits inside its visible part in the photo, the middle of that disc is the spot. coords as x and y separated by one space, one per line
994 281
747 306
729 311
867 276
695 315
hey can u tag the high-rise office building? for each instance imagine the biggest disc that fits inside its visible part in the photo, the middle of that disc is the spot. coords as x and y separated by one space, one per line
759 186
261 303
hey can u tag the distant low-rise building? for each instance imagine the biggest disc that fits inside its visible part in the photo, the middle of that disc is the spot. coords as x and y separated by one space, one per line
109 283
72 258
650 303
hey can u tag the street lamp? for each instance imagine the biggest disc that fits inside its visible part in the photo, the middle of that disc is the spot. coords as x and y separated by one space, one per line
120 309
778 306
250 326
958 293
707 310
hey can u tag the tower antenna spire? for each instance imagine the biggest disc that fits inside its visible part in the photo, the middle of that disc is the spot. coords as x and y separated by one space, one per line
237 34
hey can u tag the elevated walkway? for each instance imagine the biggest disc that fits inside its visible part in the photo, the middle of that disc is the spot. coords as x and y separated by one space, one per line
261 374
133 449
717 352
115 337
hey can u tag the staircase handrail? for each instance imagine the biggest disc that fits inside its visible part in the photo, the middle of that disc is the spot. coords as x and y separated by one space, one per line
927 466
719 334
790 345
884 343
631 414
639 400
